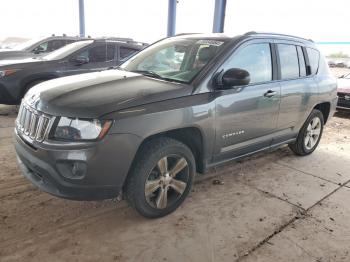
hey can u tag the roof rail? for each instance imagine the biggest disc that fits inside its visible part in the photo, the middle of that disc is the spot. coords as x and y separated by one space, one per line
276 34
115 38
186 34
121 39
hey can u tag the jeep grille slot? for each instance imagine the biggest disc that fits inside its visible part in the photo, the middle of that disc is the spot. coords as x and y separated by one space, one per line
32 123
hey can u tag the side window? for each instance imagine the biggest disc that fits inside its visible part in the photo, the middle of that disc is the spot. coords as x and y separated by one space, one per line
110 52
256 59
95 54
302 67
55 44
69 41
289 61
125 52
314 58
41 48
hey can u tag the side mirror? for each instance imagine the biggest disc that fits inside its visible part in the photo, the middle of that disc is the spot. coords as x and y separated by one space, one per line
80 60
233 77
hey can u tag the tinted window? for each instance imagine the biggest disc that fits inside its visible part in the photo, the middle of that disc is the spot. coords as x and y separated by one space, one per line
314 57
302 67
55 44
95 54
256 59
125 52
110 52
289 61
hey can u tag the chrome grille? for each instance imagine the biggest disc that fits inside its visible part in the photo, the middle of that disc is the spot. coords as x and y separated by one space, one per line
32 123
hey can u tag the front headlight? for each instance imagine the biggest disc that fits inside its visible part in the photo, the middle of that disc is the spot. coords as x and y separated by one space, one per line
74 129
8 72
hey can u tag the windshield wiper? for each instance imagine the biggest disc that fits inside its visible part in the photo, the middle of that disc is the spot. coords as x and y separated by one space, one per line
148 73
155 75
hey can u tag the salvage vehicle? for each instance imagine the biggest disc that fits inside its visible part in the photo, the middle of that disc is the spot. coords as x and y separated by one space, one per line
180 106
344 92
35 47
18 76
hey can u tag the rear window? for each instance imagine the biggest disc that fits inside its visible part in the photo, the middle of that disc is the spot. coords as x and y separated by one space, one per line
289 61
314 58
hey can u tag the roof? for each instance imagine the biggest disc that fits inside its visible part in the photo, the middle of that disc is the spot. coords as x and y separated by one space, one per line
248 34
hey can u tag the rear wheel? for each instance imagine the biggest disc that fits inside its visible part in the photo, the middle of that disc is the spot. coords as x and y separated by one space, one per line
309 135
161 177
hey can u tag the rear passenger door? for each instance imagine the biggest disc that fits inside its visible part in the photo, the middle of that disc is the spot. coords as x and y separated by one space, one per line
297 87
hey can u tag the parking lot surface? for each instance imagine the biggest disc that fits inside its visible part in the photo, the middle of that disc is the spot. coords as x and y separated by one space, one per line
270 207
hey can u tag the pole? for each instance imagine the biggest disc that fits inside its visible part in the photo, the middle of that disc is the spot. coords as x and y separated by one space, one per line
219 16
81 18
171 17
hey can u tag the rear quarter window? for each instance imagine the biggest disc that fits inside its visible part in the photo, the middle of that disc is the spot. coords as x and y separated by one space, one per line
314 57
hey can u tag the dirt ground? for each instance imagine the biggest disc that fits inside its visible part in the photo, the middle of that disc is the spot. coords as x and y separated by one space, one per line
272 207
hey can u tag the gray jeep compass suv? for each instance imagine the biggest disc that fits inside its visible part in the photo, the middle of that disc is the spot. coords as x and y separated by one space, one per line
178 107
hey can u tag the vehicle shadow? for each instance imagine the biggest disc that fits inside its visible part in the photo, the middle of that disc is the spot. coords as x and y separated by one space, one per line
343 114
7 110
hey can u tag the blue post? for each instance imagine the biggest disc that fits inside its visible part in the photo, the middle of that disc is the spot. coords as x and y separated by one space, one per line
81 18
171 17
219 16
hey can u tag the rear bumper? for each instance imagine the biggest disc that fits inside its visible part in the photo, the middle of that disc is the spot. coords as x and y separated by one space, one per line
106 165
343 101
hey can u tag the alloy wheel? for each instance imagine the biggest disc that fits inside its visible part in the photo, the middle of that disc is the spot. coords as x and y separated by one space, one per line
167 181
313 132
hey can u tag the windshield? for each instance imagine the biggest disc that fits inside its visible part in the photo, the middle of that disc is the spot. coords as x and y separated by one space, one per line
27 44
174 59
66 50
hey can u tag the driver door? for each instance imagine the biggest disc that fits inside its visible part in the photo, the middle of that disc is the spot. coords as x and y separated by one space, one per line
246 116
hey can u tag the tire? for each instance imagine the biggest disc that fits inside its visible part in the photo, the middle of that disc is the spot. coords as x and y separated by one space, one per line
307 140
161 177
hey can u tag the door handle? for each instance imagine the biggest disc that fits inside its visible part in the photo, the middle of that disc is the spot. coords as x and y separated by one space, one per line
270 93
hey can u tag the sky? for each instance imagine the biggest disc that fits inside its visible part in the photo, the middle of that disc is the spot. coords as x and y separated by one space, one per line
146 20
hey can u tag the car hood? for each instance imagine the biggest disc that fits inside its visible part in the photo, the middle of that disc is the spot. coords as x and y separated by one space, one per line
14 54
9 62
95 94
343 85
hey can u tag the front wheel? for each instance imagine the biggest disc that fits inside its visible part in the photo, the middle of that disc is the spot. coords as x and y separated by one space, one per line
309 135
161 177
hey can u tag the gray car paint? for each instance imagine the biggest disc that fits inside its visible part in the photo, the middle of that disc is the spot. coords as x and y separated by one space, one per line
142 107
13 87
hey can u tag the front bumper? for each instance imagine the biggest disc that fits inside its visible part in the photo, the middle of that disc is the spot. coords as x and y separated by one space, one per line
5 96
106 165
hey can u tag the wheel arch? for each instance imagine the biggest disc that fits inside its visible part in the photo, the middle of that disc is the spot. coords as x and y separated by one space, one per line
28 82
190 136
325 108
